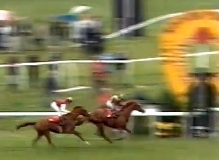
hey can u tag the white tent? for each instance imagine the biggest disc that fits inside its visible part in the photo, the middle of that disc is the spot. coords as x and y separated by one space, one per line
79 9
6 15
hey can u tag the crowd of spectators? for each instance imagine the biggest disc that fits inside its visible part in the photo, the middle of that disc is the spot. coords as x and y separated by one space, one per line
87 33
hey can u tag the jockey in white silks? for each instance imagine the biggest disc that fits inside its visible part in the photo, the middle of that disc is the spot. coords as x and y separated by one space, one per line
115 102
61 105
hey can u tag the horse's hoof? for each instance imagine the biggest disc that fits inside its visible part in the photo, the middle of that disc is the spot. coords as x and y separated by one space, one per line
118 139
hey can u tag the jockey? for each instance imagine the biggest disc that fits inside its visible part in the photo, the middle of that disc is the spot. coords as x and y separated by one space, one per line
60 106
115 102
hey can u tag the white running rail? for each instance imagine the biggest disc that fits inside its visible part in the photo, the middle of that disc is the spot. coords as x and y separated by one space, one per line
106 61
43 114
148 112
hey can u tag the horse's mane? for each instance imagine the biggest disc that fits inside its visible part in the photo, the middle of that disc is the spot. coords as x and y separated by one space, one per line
131 102
127 104
78 107
72 112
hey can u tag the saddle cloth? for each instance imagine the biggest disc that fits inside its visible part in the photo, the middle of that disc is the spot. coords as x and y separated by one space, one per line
54 119
108 112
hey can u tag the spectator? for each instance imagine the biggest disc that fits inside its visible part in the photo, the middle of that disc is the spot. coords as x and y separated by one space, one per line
97 23
51 84
55 32
121 73
13 73
108 57
33 70
54 57
40 34
15 37
93 37
25 32
76 29
103 97
54 68
202 96
5 31
99 75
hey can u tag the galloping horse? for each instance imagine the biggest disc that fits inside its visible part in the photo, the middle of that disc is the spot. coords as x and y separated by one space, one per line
64 125
99 118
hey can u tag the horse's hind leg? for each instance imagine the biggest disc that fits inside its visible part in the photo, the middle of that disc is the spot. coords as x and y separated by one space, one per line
127 130
48 137
38 137
79 136
102 133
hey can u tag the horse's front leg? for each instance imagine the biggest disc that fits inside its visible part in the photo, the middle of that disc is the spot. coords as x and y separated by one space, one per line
79 136
123 132
102 133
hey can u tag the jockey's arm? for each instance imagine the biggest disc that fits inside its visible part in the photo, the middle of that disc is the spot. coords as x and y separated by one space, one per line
63 108
109 104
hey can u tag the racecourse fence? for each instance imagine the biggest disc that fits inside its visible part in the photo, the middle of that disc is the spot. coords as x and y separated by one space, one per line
148 112
71 70
134 113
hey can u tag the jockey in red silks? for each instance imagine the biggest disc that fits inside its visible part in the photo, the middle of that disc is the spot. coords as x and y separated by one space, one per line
60 105
115 103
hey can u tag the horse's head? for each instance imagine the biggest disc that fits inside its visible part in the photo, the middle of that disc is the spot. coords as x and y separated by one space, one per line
78 115
135 106
81 111
80 120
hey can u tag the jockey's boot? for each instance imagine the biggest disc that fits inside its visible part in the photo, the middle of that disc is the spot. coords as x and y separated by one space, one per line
60 129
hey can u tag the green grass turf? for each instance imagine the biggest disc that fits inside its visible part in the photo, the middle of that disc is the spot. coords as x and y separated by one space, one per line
16 145
18 148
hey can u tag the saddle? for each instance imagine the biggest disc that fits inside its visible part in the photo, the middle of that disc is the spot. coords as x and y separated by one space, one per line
111 113
55 119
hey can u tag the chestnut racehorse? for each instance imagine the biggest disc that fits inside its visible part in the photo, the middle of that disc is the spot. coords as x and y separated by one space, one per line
65 125
99 118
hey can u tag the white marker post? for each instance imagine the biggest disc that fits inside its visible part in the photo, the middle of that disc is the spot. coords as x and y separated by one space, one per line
203 61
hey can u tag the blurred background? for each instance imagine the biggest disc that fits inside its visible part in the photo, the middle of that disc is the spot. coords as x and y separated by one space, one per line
45 31
35 34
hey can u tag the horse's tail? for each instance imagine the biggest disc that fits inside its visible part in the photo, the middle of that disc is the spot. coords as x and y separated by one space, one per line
25 125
